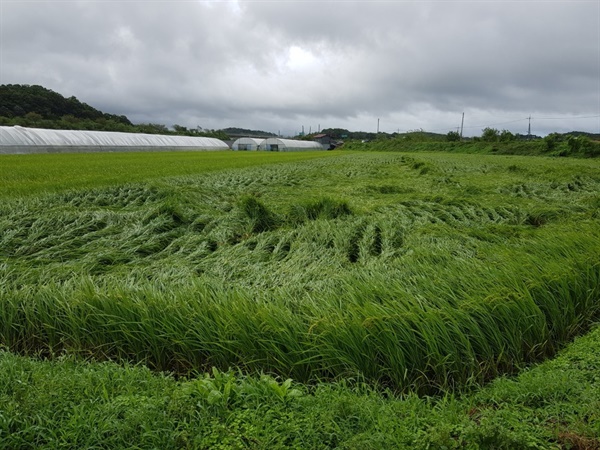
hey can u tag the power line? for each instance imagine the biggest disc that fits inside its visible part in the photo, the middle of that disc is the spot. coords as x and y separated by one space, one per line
567 118
498 123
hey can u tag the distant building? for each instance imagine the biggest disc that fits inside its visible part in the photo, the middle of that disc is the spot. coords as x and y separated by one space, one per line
325 140
247 143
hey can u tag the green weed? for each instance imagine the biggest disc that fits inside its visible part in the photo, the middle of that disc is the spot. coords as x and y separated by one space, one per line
75 404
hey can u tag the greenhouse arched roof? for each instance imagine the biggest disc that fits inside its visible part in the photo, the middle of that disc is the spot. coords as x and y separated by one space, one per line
288 145
37 140
247 143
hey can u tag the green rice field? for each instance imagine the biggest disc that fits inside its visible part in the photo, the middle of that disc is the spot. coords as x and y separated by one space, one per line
414 274
43 173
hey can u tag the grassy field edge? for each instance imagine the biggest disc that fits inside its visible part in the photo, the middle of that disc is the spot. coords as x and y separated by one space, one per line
69 403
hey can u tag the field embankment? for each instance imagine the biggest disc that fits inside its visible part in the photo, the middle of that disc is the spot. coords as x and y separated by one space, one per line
67 403
413 271
574 144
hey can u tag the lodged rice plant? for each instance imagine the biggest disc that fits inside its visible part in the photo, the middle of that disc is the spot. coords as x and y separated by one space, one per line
422 272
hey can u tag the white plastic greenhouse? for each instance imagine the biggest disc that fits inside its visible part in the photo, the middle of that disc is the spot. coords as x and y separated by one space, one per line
288 145
246 143
36 140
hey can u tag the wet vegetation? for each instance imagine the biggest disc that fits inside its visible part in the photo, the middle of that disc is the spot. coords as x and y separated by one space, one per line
372 280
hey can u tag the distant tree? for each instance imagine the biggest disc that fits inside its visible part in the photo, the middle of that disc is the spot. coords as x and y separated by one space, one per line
5 112
579 144
33 119
506 136
490 135
243 131
117 119
19 111
336 133
574 144
551 141
20 100
152 128
453 136
592 149
179 129
217 134
69 118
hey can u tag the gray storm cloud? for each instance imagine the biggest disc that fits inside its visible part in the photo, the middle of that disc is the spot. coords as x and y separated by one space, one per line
281 65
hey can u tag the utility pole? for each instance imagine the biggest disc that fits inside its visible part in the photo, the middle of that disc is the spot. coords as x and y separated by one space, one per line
377 126
529 129
462 123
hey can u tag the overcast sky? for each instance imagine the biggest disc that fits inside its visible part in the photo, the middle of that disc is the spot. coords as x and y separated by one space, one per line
281 65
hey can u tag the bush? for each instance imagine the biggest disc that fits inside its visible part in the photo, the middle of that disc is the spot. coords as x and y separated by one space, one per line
453 136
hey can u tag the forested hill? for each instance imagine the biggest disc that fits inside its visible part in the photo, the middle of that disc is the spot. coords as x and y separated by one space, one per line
37 104
234 131
38 107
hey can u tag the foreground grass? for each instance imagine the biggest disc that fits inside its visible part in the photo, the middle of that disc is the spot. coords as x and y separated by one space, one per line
66 403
